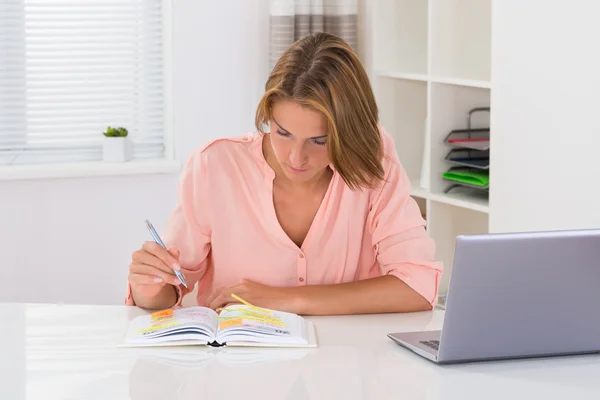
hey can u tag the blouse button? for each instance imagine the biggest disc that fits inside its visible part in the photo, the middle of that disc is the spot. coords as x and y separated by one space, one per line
301 255
301 279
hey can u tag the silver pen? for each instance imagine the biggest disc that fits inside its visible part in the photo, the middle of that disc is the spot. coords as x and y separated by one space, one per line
160 242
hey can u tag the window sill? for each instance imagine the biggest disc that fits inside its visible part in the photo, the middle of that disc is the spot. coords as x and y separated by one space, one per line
88 169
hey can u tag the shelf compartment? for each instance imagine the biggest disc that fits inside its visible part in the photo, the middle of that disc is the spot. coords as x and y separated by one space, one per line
461 39
403 110
452 118
400 35
446 222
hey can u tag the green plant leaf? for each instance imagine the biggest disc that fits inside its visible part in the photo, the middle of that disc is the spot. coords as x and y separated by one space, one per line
115 132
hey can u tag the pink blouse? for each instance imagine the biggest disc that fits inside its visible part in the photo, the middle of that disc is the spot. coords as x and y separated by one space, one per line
225 227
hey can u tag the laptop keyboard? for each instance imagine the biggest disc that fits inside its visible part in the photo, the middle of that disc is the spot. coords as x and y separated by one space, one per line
434 344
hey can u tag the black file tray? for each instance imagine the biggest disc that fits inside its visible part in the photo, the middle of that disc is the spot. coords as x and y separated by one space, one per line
479 159
475 139
465 185
482 189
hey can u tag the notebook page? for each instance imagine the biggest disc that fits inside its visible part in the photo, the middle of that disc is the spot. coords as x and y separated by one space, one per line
246 323
173 324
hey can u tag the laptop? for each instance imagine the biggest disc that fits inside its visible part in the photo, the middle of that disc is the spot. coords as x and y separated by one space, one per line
517 295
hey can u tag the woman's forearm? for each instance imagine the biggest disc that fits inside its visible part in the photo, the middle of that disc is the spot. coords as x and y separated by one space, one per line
377 295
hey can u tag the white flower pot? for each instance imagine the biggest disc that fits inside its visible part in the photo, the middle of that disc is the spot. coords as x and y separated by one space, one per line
116 149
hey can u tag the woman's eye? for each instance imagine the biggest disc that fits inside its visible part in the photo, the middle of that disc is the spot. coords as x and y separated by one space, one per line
284 134
320 142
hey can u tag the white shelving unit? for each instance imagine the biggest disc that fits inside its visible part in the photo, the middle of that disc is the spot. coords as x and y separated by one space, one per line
430 65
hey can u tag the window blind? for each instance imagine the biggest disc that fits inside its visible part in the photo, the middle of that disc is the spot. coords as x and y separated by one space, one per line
71 68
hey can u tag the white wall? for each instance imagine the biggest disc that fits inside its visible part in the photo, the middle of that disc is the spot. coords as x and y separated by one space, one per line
365 34
70 240
545 105
221 65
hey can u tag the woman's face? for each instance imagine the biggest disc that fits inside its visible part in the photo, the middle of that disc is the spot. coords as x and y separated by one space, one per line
299 140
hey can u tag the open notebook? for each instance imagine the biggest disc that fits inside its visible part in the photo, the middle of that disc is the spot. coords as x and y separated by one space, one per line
235 325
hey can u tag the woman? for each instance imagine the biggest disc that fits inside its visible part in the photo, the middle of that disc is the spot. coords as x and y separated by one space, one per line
313 216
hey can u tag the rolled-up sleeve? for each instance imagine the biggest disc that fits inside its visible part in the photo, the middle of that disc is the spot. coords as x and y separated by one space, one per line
404 248
188 226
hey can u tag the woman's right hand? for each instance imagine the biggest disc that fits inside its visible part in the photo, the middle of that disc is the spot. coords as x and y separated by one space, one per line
152 268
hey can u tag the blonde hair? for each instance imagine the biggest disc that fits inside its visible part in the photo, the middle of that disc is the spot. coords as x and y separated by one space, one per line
322 72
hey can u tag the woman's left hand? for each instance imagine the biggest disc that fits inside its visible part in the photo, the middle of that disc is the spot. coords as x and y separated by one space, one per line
257 294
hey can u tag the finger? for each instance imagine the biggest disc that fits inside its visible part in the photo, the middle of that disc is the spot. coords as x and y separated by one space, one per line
144 257
174 252
139 279
144 269
220 301
223 290
212 297
160 252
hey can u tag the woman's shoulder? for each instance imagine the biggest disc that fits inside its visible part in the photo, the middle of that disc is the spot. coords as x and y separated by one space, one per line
220 159
228 148
229 144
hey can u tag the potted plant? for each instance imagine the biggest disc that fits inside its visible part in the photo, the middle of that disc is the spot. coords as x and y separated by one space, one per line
116 146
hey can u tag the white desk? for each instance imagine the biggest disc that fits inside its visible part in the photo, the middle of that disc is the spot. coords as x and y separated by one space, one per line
70 352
